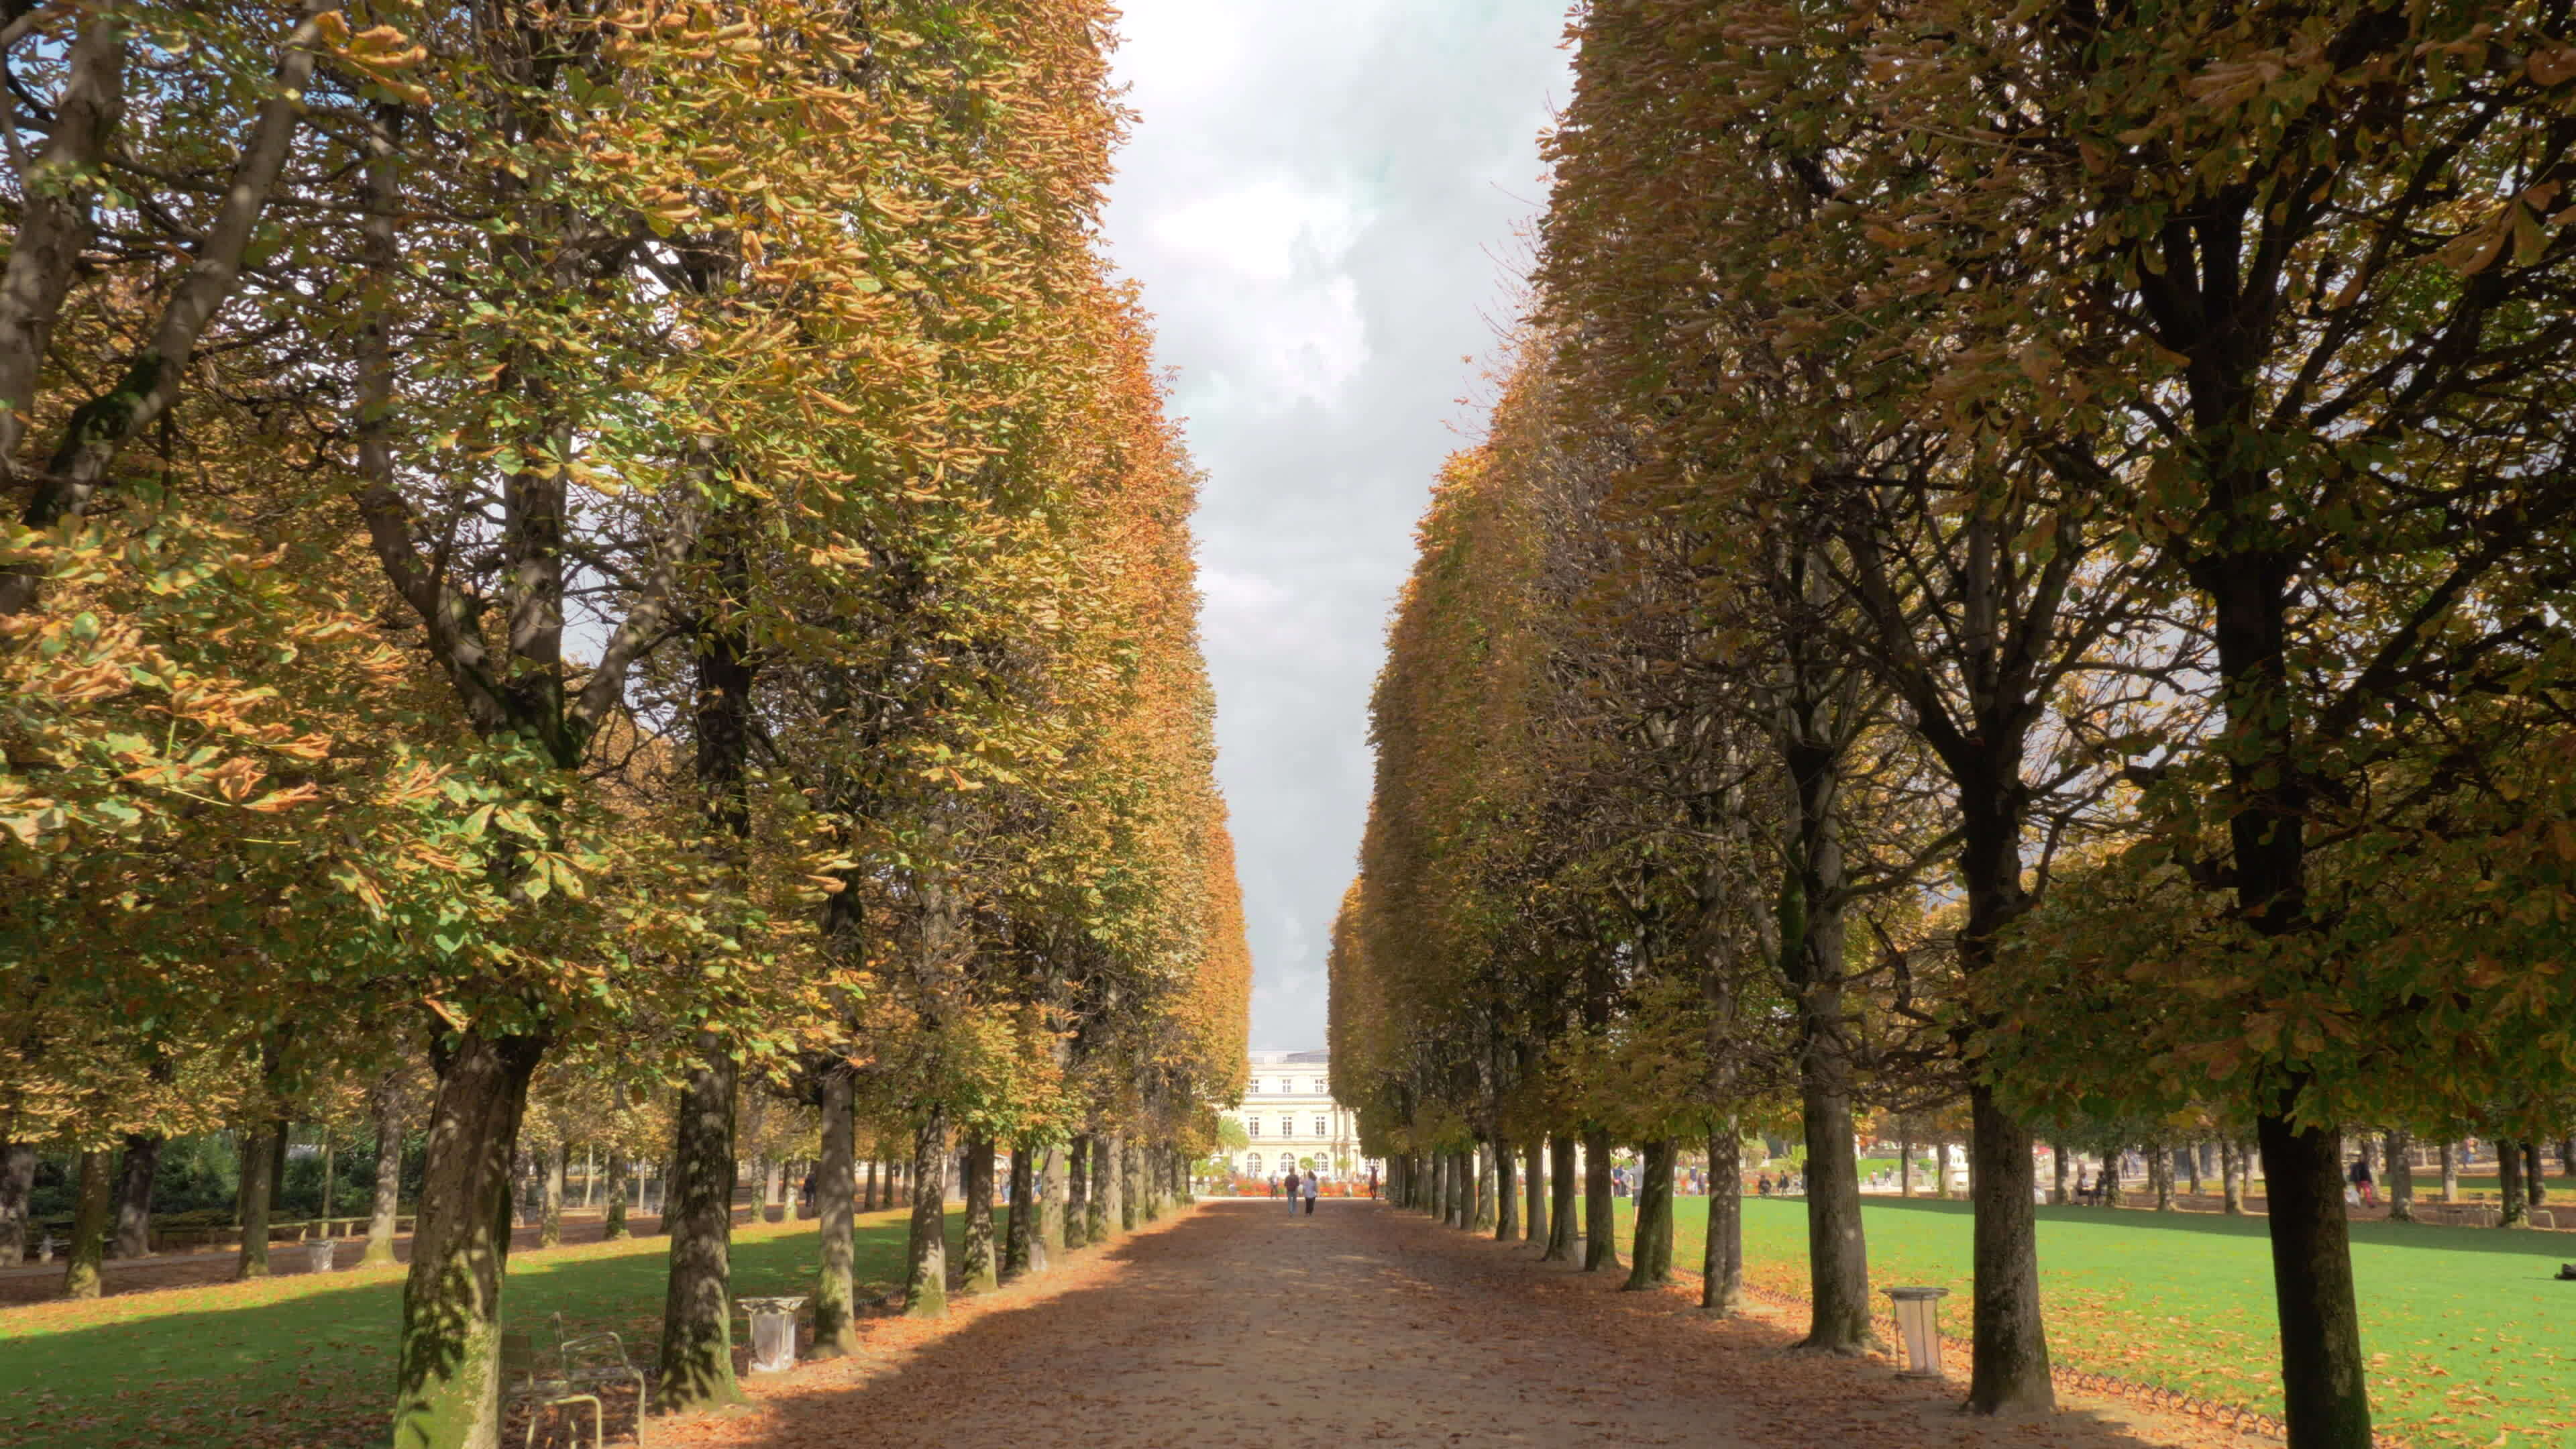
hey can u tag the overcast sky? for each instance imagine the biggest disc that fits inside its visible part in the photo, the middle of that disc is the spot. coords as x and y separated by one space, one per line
1322 199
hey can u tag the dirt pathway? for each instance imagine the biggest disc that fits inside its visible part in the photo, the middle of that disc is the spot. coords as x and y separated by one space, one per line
1242 1325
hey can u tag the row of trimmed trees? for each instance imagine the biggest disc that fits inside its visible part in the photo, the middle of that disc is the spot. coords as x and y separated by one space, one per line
2024 561
627 551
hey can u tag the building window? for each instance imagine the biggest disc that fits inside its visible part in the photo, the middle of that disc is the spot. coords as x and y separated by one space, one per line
1251 1126
1287 1126
1320 1129
1252 1164
1315 1087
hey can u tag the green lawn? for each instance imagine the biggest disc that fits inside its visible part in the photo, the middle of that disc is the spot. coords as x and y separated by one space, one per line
308 1360
2468 1334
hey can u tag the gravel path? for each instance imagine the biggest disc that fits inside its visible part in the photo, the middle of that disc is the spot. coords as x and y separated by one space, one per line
1240 1324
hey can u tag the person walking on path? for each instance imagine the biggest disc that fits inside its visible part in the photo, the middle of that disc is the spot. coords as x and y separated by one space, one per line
1372 1184
1310 1194
1292 1189
2361 1180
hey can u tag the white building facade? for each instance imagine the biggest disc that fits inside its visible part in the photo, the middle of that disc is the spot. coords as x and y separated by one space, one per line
1289 1119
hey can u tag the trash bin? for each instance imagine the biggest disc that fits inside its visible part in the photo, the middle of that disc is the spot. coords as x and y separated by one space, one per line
323 1254
1917 1324
773 1333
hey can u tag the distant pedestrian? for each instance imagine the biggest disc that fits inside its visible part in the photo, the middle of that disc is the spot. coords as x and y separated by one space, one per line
2361 1181
1372 1184
1762 1185
1292 1189
1310 1195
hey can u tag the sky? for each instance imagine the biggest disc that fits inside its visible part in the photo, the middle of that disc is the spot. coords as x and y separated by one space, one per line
1325 201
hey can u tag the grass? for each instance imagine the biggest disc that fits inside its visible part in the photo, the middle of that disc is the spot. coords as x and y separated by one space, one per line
2467 1334
308 1359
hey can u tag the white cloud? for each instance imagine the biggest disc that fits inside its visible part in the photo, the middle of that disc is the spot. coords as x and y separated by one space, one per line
1315 198
1268 231
1265 260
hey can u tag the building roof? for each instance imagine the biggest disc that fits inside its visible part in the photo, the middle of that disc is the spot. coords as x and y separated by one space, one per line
1291 1059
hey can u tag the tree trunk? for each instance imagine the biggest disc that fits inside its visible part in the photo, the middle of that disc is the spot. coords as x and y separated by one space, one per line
2450 1172
53 227
1130 1186
2567 1157
384 1104
1837 1253
2516 1211
93 1214
1905 1167
17 1182
697 1213
2535 1181
2008 1371
2231 1170
1651 1254
1148 1181
1023 1249
1507 1195
2401 1176
251 1206
978 1269
2059 1194
1721 1291
2191 1156
870 1205
2321 1365
1534 1186
836 1289
2160 1175
1600 1220
134 1195
1106 1188
1941 1172
1054 1208
447 1373
925 1289
620 1174
1489 1187
1078 1209
93 1220
1560 1185
551 1205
